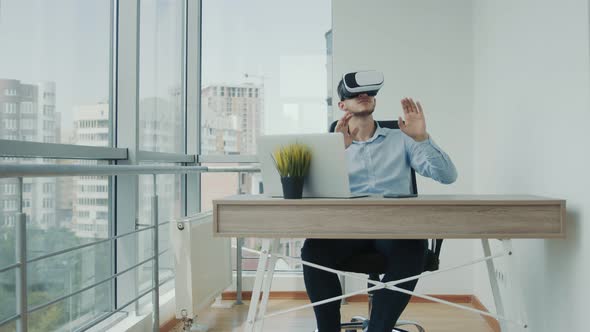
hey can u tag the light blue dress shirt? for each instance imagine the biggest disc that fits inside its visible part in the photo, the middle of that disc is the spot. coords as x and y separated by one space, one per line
382 164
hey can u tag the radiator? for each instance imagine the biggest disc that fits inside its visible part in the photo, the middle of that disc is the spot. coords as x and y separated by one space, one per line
202 263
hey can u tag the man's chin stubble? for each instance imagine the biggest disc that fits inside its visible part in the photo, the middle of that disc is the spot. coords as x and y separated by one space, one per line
363 113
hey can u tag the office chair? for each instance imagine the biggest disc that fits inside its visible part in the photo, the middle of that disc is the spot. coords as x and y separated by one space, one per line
373 264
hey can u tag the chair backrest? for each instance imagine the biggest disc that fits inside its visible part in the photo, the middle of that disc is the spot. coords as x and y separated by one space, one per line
432 262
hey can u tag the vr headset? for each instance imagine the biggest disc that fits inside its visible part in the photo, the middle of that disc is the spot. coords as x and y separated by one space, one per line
356 83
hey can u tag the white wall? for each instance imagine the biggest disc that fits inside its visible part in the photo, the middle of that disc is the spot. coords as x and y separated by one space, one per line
425 49
531 119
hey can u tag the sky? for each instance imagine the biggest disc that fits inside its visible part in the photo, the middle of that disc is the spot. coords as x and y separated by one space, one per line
280 43
65 41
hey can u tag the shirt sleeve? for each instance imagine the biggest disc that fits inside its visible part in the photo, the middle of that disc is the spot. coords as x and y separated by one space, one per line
429 160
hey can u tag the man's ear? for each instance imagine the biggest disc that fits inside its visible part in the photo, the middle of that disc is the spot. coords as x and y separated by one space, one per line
341 106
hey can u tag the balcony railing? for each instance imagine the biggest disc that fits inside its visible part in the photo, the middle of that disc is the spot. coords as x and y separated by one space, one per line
40 170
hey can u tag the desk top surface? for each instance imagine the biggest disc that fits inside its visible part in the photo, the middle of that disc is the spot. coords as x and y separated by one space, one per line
425 216
380 200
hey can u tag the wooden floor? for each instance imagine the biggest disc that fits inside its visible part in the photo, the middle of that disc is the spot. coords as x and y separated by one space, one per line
433 317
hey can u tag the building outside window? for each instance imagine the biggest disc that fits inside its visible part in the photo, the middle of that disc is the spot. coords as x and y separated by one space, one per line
63 64
256 81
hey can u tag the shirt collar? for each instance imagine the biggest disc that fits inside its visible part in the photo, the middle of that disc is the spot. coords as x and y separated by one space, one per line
379 131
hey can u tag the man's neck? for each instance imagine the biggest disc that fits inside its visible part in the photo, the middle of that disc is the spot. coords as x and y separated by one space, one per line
366 126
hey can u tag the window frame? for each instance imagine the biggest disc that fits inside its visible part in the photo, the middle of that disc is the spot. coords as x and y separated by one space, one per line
123 145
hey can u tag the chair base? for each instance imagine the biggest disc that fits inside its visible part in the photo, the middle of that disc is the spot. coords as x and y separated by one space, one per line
358 323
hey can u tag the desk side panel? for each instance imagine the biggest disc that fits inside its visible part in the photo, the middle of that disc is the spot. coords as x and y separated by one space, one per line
387 221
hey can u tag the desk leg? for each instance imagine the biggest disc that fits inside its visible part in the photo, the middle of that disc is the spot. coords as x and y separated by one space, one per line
514 287
266 285
494 282
252 310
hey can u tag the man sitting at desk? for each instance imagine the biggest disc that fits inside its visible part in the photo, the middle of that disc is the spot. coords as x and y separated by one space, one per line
379 161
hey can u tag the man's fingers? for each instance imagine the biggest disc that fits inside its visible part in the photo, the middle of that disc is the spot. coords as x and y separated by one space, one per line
342 124
346 117
419 107
339 126
400 122
413 106
342 120
405 106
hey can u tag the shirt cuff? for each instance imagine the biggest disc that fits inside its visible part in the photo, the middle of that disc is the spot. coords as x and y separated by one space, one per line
424 141
429 141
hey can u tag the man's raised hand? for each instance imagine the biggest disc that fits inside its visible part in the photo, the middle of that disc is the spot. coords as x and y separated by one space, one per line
414 124
342 127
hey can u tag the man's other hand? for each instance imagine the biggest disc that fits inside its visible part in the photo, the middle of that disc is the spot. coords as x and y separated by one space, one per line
414 124
342 127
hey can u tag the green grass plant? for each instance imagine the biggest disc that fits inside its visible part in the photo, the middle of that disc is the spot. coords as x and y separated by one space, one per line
292 160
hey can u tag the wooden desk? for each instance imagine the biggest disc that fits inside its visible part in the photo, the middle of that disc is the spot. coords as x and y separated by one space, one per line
427 216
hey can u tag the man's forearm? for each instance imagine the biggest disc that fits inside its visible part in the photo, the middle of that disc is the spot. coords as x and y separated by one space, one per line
430 160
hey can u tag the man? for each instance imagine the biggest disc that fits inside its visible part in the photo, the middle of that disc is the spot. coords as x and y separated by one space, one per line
379 161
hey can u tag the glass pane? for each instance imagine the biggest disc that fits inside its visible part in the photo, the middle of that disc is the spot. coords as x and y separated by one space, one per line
55 71
219 185
8 220
161 119
7 294
66 273
9 327
72 313
264 71
61 213
169 208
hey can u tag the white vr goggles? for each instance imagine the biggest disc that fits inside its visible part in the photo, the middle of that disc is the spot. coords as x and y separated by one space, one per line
356 83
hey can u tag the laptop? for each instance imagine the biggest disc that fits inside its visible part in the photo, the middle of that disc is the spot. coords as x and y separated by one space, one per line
328 171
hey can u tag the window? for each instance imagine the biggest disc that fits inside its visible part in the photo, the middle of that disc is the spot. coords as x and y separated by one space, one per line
9 124
55 65
161 114
10 92
48 125
8 188
48 188
9 204
48 110
52 225
61 81
252 77
26 107
28 124
169 192
10 108
47 203
84 214
240 37
9 220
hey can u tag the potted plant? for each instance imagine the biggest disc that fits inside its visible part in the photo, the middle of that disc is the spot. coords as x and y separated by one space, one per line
292 163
